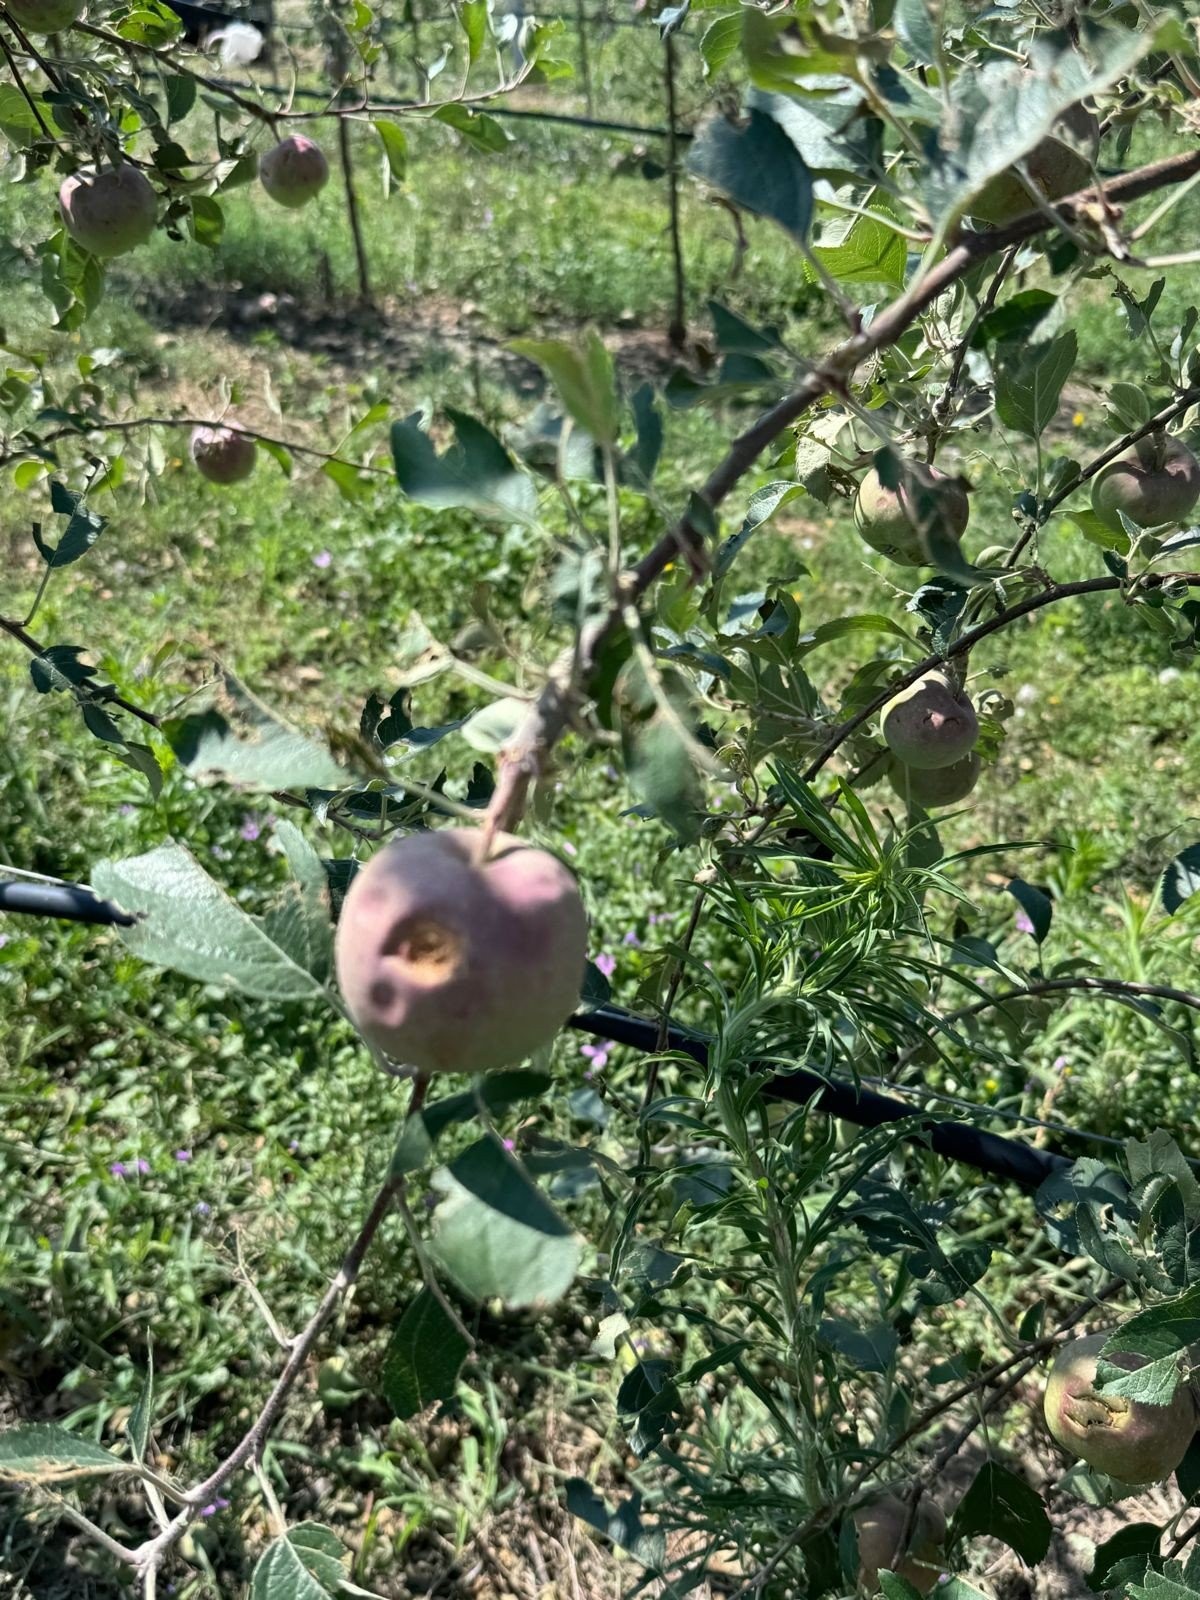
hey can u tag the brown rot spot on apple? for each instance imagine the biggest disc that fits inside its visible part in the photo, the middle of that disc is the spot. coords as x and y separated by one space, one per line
1130 1440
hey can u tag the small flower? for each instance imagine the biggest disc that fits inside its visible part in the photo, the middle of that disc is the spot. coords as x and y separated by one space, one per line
250 828
141 1165
1078 420
219 1504
1023 923
183 1155
605 964
1061 1063
221 853
510 1144
118 1169
597 1054
126 810
990 1085
569 849
322 559
632 939
293 1145
202 1208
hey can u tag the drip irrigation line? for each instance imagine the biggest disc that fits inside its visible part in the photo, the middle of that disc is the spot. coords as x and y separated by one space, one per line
992 1153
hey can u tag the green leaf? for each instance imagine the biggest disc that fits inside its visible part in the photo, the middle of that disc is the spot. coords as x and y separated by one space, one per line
239 740
137 1429
43 1453
1005 1507
423 1359
473 16
1036 905
758 167
1181 878
207 221
719 43
476 471
762 505
862 250
1029 381
308 1562
867 1349
662 773
917 30
1162 1334
1000 111
188 923
395 146
300 920
1166 1585
83 528
490 729
623 1526
1136 1539
477 128
496 1235
181 95
583 376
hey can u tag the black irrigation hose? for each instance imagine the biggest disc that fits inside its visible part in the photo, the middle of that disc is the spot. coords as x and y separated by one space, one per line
957 1141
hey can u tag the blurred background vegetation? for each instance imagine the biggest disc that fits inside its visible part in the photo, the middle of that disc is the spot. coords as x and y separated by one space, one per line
161 1143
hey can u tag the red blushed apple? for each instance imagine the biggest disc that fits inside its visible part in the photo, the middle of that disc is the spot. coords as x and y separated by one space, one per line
880 1526
294 172
1130 1440
111 212
223 455
448 963
930 724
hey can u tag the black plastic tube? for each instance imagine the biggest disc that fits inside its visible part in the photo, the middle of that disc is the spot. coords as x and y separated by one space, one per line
956 1141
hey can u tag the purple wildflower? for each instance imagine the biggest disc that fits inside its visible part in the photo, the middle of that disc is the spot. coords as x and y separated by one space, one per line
632 939
141 1165
1023 923
118 1169
510 1144
183 1155
219 1504
597 1054
250 828
322 559
202 1208
606 965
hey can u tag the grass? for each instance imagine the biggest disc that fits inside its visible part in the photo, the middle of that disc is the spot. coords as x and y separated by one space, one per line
263 1130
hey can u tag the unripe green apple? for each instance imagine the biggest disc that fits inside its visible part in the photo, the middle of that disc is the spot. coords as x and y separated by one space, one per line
294 172
1056 167
931 724
452 964
1157 481
880 1526
223 455
889 519
109 212
43 16
1128 1439
941 786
